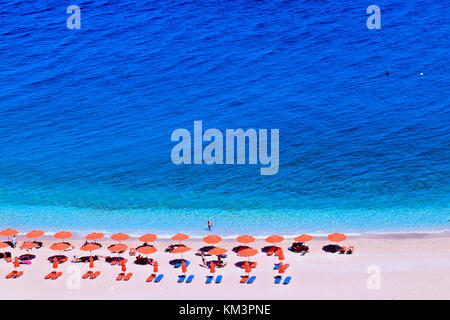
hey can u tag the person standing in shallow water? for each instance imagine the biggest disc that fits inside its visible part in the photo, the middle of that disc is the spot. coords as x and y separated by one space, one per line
210 224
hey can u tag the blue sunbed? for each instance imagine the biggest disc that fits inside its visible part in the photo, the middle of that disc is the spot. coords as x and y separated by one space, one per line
219 279
277 279
286 281
158 278
190 278
252 278
181 278
209 279
276 266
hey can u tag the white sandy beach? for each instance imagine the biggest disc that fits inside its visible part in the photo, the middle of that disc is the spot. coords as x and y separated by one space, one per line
412 266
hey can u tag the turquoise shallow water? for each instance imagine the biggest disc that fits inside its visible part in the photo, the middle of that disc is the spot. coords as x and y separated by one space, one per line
166 222
86 116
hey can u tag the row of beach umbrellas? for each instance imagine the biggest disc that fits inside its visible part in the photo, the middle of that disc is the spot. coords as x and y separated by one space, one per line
148 249
119 237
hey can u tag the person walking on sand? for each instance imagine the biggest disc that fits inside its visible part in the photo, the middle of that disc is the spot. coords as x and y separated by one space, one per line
210 224
14 241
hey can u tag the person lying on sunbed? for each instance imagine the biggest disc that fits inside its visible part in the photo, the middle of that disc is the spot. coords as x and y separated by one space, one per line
350 250
299 247
342 250
109 259
59 258
143 260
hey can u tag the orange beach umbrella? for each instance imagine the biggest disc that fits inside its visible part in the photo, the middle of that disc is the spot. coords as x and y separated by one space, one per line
274 239
63 235
180 237
94 236
181 250
245 239
90 247
118 247
16 262
55 263
91 262
217 251
9 232
120 237
183 267
146 250
212 239
155 266
124 266
27 245
148 238
60 246
212 267
337 237
247 253
304 238
34 234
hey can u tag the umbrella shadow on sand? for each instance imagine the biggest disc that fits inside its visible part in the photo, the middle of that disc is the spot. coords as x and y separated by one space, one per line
145 245
205 250
27 257
176 261
240 264
332 248
86 258
9 243
143 261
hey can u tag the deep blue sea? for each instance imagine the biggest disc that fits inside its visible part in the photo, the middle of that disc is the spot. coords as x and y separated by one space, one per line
86 115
